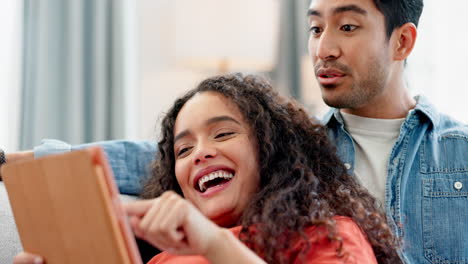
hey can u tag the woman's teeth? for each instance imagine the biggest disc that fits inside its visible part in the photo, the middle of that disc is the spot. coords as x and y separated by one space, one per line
203 181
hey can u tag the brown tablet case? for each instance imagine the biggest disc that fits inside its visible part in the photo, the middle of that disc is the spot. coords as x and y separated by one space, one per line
67 209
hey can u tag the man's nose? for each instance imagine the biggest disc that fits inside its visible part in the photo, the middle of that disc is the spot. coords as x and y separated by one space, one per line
204 152
327 46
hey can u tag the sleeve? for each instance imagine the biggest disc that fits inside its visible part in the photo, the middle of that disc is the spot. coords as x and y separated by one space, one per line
129 160
356 248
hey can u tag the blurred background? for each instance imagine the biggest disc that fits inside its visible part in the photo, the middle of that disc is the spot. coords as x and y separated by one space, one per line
91 70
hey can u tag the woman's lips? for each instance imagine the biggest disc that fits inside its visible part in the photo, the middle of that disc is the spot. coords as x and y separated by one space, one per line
216 189
208 170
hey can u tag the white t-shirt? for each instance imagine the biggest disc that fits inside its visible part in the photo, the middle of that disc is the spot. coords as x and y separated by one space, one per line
373 143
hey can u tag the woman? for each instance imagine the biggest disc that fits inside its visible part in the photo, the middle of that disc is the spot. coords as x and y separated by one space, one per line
278 176
244 158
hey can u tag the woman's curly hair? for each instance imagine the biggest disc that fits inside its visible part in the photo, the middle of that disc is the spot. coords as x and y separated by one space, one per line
302 180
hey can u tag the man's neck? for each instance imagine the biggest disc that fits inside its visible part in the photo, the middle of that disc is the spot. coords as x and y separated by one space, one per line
394 102
385 108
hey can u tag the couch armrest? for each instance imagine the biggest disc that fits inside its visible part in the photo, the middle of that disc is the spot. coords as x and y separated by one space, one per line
10 244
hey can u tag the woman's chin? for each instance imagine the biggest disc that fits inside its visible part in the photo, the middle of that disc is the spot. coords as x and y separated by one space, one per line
225 217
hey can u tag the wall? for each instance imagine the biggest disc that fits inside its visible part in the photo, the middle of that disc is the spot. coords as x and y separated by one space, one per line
437 67
167 32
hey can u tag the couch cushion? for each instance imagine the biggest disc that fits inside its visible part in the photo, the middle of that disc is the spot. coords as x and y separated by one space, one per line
9 240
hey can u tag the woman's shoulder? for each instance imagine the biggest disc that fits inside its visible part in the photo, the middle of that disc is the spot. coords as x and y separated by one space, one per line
344 226
167 258
347 226
355 247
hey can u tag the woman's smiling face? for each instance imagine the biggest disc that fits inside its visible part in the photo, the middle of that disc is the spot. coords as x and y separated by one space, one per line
216 163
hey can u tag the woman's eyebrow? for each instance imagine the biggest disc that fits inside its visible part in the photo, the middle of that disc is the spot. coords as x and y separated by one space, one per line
210 121
181 135
217 119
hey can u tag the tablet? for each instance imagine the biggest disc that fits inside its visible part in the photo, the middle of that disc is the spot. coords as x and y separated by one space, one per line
67 209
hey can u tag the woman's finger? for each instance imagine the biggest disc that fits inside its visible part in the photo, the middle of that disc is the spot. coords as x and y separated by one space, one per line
174 221
151 216
168 224
150 222
135 224
142 233
138 208
27 258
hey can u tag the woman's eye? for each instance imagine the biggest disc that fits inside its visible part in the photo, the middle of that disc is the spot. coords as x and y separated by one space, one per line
224 134
348 28
182 151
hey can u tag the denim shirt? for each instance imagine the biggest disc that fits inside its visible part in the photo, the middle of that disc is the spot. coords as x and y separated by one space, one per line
427 184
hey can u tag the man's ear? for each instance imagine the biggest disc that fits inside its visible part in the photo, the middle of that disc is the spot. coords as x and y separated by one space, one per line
404 39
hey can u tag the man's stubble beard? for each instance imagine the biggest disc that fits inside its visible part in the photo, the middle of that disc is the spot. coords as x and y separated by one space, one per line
362 91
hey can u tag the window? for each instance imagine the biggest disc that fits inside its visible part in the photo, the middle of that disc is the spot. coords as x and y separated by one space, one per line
437 68
10 66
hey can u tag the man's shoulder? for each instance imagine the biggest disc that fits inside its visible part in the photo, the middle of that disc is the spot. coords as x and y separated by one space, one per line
450 127
443 124
444 149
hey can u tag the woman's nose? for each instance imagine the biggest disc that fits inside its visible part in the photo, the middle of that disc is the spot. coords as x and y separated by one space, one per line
204 153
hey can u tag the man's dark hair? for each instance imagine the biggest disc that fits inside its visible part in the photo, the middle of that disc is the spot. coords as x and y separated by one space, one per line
399 12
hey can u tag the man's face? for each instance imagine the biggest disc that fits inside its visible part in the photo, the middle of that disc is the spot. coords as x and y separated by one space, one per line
349 50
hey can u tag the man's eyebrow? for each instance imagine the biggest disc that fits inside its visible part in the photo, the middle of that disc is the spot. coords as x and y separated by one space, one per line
349 8
338 10
210 121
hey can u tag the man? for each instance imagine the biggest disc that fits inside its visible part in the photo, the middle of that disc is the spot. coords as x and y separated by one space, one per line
408 155
411 157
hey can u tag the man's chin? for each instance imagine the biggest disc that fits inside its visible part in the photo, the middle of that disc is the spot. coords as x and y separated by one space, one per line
336 102
332 95
338 96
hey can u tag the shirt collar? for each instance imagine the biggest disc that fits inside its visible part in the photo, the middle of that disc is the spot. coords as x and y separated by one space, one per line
423 106
427 109
333 115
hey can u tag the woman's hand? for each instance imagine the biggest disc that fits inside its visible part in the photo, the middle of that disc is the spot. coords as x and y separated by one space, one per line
173 224
27 258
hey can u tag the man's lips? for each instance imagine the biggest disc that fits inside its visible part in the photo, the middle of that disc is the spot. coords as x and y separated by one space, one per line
329 76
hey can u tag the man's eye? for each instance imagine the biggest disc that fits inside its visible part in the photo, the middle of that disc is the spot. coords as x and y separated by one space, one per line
224 134
314 30
349 28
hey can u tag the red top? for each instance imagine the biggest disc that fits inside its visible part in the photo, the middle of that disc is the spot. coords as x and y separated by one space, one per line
355 246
